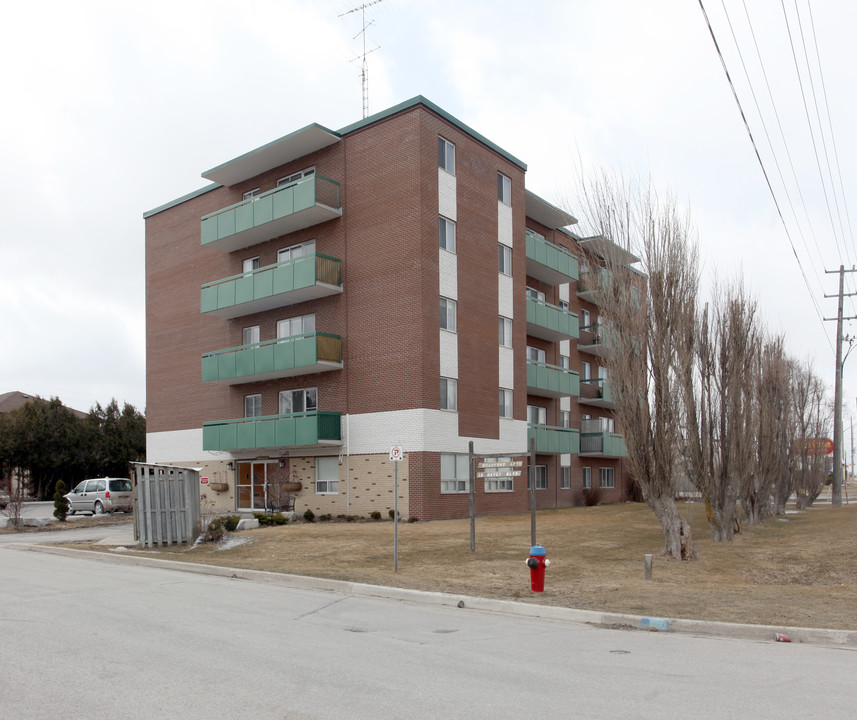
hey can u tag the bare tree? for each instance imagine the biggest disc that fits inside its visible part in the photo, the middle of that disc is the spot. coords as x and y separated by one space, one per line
813 420
649 318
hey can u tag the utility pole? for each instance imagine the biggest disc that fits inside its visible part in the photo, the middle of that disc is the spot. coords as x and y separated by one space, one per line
836 499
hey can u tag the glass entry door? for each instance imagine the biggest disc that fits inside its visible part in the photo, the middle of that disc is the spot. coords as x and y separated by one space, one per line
252 485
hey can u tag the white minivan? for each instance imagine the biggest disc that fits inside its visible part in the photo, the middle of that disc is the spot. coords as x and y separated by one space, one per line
103 495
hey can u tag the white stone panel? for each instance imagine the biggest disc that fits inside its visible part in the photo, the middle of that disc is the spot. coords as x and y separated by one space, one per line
565 460
180 446
565 403
446 195
448 354
563 292
505 295
507 368
565 347
447 267
504 224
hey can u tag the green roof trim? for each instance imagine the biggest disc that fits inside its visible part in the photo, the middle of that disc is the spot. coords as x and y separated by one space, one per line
420 100
179 201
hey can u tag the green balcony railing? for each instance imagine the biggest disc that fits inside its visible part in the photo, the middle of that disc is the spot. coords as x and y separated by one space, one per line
292 281
554 440
603 443
283 357
595 339
596 391
548 262
550 322
272 431
551 380
312 200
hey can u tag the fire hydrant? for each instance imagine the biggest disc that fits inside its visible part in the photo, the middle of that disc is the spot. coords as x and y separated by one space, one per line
537 562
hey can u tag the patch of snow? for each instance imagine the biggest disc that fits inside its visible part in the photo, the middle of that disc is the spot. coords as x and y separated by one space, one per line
232 541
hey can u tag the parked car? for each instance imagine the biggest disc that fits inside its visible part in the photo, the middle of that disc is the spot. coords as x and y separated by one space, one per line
99 496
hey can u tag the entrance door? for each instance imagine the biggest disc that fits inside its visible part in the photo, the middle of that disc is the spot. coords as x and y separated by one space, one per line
252 485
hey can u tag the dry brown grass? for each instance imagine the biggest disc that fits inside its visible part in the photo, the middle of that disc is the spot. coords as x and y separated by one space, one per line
793 571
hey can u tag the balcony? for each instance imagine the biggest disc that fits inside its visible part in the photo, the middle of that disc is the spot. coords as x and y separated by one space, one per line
549 263
554 440
593 285
596 442
594 340
273 431
551 381
596 392
284 357
308 277
549 322
280 211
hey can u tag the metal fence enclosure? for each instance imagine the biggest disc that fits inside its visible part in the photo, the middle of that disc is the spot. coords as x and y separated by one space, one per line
166 504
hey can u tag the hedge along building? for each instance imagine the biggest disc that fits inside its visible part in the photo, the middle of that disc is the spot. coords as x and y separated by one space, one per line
293 330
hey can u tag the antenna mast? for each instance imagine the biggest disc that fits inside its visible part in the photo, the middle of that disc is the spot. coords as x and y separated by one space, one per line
364 74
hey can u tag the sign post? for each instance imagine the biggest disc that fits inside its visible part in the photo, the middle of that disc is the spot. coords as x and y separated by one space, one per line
395 458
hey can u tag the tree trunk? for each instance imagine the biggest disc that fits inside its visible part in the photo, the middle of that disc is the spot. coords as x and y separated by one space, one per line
678 541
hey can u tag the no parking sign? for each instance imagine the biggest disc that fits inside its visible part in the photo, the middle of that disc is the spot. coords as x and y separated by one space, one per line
395 453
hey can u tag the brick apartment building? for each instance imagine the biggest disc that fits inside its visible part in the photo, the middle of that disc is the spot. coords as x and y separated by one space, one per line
293 330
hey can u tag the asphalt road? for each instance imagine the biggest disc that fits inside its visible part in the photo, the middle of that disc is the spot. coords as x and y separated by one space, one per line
85 639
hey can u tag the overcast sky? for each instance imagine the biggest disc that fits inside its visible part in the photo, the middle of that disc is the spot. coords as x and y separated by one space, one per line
112 109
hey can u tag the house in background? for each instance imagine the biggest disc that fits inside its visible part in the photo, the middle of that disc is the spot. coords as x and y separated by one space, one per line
332 294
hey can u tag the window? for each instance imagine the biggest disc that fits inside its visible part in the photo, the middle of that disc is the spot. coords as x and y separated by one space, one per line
252 406
602 372
505 403
585 371
448 394
563 305
504 189
565 362
536 415
296 251
327 476
535 294
585 318
505 332
298 401
565 478
252 194
504 259
606 478
296 326
294 177
564 418
587 478
446 234
500 484
607 424
535 354
445 155
251 335
249 265
447 314
541 473
454 473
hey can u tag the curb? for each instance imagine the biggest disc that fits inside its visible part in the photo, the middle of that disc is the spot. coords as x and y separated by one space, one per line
607 620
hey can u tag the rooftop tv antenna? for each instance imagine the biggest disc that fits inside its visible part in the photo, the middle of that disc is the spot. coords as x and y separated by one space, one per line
364 74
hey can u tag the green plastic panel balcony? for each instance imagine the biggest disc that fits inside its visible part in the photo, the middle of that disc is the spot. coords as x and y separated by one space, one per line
602 444
284 357
548 262
593 284
551 380
293 281
280 211
549 322
273 431
554 440
596 392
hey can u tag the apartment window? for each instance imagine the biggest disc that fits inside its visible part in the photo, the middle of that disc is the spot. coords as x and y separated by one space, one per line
585 371
499 484
587 478
252 406
505 403
454 473
251 194
565 418
602 372
445 155
541 473
504 259
535 294
606 478
296 251
535 354
298 401
565 478
563 305
446 234
505 332
448 394
447 314
537 415
249 265
607 424
585 416
504 189
295 177
327 476
585 318
251 335
565 362
296 326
